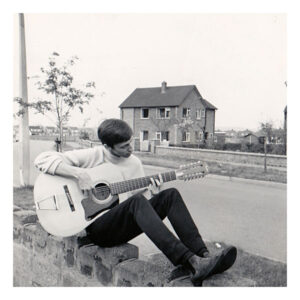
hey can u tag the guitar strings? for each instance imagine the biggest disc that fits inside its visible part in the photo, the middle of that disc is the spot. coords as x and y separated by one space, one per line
106 188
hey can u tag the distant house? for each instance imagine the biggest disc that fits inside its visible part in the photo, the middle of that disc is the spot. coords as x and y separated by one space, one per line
36 130
91 133
231 133
243 133
219 137
250 138
176 114
231 137
51 130
74 131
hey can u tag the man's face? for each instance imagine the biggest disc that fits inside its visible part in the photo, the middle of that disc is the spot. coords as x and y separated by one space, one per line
123 149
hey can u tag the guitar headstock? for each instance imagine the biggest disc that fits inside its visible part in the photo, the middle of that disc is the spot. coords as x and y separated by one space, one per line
192 171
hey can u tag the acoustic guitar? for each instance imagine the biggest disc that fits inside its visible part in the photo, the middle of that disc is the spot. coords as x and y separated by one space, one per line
64 209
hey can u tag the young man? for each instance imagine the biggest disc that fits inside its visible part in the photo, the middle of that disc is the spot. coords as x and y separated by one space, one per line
143 211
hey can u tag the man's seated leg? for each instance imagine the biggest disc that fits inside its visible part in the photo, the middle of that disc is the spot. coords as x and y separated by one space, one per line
170 203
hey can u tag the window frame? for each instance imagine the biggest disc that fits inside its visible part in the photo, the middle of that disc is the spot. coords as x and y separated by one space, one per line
167 113
188 112
200 114
160 134
143 135
187 135
142 113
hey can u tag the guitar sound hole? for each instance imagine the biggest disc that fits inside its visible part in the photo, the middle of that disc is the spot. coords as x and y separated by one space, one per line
101 191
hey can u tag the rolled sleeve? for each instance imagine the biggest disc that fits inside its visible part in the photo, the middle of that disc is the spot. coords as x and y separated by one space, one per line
47 162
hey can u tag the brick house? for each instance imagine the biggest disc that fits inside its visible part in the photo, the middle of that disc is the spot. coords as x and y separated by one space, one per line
176 114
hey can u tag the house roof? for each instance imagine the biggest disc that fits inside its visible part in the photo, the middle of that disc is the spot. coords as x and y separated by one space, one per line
250 134
153 97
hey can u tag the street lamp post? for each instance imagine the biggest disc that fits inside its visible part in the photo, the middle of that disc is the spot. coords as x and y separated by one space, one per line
24 163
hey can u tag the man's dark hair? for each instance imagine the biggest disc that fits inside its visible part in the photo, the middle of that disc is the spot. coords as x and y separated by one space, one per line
114 131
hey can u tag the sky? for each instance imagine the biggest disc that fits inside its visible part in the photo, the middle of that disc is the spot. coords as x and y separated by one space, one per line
237 61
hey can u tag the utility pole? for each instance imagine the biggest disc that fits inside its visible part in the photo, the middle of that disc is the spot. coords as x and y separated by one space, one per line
24 154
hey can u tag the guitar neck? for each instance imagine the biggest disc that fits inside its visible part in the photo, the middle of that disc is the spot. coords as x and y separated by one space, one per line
138 183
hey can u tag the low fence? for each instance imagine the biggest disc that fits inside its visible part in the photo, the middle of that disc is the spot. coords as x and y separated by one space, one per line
222 156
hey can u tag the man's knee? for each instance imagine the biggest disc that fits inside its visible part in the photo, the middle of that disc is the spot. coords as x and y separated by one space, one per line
138 199
171 195
172 192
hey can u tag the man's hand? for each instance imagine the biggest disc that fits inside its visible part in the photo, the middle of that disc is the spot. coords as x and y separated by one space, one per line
156 185
84 180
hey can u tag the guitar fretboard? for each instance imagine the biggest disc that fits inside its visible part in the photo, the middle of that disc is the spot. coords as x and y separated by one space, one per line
138 183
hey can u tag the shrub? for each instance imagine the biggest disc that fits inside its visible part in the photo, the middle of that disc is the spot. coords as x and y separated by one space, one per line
232 147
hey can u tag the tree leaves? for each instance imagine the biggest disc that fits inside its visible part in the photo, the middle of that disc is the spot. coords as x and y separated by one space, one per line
58 81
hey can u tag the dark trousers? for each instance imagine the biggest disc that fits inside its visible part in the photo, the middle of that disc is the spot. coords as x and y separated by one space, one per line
137 215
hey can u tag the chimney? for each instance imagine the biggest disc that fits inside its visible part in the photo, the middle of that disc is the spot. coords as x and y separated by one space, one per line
163 87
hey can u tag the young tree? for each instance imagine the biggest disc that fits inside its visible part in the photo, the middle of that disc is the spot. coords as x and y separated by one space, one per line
267 129
188 123
58 83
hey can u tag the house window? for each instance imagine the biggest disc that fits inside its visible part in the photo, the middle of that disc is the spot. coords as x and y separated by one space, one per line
185 136
163 113
158 135
145 113
186 112
162 135
198 135
200 114
145 135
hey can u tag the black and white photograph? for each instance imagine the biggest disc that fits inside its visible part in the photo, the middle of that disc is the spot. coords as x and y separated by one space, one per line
150 149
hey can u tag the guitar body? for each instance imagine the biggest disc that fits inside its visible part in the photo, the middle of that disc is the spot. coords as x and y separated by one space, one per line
62 207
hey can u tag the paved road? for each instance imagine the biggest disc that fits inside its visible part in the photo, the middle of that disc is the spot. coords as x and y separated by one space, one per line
248 214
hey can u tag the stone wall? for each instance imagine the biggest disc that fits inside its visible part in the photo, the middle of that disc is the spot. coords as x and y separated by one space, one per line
222 156
42 260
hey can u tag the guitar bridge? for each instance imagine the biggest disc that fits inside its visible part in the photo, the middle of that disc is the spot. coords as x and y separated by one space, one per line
49 203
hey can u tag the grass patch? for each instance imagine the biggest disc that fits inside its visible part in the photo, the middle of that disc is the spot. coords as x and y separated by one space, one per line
23 197
265 272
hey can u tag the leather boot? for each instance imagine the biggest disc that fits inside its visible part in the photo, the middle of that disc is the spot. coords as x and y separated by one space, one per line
202 267
228 258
